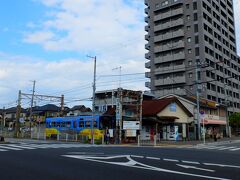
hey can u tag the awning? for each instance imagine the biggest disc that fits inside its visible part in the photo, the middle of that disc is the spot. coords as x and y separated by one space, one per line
211 121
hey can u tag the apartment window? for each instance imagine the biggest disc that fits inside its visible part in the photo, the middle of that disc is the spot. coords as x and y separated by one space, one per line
188 17
189 39
196 40
195 16
164 3
189 51
195 28
188 28
157 5
194 5
197 51
190 75
190 63
187 6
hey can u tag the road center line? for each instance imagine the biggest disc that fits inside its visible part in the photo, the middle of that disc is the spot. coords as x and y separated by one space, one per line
153 158
190 162
171 160
137 156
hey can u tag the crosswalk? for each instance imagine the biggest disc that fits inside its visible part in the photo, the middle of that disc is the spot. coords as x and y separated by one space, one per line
214 147
32 146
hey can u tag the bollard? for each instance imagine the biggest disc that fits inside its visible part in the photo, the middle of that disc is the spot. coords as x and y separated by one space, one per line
76 137
66 137
155 140
58 137
138 140
102 139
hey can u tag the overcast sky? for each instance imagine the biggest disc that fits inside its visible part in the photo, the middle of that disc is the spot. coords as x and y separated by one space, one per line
49 41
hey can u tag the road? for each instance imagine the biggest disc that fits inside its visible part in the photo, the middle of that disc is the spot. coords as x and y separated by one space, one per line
63 161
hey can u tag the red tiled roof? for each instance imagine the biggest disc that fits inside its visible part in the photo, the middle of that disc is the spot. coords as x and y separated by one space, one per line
153 107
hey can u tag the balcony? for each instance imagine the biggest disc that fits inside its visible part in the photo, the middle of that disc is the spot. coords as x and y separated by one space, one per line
148 65
147 28
169 58
148 84
168 81
169 24
167 47
147 37
148 74
169 35
147 55
146 10
168 14
146 2
147 46
175 68
147 19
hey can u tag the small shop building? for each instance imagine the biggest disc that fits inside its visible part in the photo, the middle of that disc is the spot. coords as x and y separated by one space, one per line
167 118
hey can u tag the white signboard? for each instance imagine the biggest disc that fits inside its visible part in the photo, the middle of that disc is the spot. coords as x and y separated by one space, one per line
131 133
131 125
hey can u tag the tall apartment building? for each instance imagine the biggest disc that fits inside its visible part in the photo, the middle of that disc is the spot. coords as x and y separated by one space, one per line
189 37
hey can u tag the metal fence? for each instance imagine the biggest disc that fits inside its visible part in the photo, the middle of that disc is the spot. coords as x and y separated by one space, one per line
39 134
142 141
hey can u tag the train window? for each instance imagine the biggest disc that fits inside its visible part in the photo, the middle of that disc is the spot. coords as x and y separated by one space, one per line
53 124
63 124
88 124
57 124
68 124
81 124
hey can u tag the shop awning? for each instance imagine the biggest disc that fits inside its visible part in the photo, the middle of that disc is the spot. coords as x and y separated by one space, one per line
168 117
211 121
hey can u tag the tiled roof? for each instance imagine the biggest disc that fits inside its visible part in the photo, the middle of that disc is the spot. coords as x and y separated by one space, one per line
153 107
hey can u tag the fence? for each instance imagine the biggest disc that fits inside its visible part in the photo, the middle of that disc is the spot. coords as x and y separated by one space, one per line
40 134
143 141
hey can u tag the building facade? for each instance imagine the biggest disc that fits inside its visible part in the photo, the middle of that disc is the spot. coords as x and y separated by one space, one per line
191 41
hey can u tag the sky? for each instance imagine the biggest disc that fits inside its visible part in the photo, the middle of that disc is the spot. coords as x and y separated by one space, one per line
50 41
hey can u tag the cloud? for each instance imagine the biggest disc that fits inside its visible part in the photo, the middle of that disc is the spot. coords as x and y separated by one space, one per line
89 25
71 77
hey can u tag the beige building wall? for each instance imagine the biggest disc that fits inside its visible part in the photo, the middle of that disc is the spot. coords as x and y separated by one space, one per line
180 113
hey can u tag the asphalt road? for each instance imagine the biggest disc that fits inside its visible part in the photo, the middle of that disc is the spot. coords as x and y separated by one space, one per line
63 162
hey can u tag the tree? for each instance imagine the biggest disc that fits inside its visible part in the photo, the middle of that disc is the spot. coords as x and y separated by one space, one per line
234 120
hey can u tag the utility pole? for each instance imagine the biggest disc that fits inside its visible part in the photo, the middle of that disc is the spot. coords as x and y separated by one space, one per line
3 119
198 106
18 115
94 94
32 99
62 105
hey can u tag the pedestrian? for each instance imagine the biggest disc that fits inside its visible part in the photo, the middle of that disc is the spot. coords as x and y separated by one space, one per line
215 134
107 136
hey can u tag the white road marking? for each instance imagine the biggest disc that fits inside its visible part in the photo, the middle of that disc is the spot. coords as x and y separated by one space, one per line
194 167
171 160
191 162
137 156
3 150
134 164
226 148
11 148
20 146
154 158
221 165
234 149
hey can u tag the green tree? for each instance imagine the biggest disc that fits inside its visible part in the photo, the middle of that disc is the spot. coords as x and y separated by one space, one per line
234 120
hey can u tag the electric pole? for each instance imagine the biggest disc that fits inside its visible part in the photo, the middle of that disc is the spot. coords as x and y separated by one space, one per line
197 94
18 112
32 99
94 94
